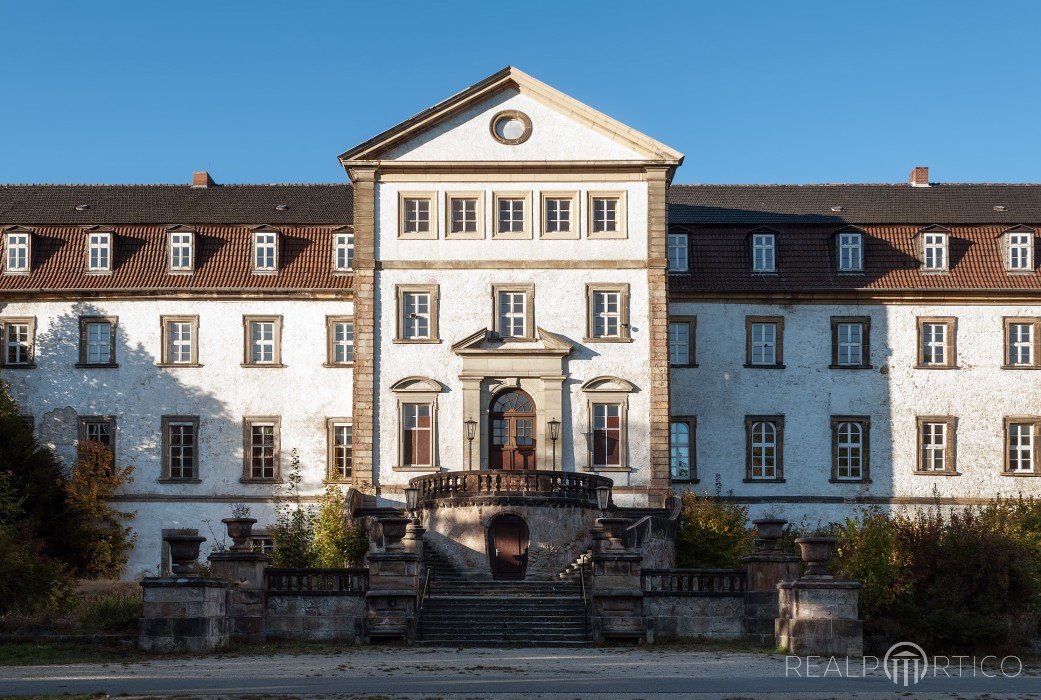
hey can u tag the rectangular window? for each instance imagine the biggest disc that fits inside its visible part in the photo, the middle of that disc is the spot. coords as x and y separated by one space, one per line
180 340
764 448
181 251
1020 247
510 215
681 341
558 214
341 450
608 313
850 347
764 254
99 251
417 215
465 215
343 251
606 214
851 252
682 449
265 251
181 448
417 434
263 544
934 255
1021 346
263 340
514 312
18 339
935 445
417 315
679 252
607 435
849 448
340 332
262 448
17 245
99 429
936 343
764 341
97 341
1020 444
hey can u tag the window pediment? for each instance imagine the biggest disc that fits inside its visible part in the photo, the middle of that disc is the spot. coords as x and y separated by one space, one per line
417 385
609 385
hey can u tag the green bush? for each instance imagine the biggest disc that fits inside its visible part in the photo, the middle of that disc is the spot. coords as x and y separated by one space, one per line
118 613
335 541
713 533
30 581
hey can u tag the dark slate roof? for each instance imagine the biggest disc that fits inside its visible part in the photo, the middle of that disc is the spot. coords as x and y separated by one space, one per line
861 204
176 204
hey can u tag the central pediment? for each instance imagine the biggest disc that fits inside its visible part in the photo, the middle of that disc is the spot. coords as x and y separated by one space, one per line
485 342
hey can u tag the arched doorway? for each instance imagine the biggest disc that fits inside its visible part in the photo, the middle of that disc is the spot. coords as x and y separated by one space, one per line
508 547
512 423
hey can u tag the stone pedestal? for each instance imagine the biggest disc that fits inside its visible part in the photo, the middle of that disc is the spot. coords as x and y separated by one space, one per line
244 573
390 604
819 617
763 571
183 614
617 596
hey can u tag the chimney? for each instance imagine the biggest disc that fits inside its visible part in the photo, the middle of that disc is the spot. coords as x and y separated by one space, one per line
202 179
920 176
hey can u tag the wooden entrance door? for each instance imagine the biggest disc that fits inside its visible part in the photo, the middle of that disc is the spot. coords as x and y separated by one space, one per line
513 431
508 547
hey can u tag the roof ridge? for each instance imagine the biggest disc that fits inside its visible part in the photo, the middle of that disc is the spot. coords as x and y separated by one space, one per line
170 184
934 185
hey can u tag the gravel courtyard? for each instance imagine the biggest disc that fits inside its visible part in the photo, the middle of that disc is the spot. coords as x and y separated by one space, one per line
490 673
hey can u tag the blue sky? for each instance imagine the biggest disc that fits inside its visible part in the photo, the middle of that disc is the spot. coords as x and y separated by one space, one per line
749 91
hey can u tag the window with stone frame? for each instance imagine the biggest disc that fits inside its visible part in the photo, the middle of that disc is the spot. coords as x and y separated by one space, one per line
607 434
606 215
1022 350
341 449
608 313
19 340
936 441
678 252
683 449
99 429
850 342
339 341
180 341
343 251
511 214
937 343
850 448
682 341
417 440
263 341
514 311
417 314
97 341
464 215
261 448
1021 433
764 342
764 448
560 215
417 215
180 448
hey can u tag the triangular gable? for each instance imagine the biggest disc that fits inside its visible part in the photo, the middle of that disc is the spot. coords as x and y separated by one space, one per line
484 342
638 146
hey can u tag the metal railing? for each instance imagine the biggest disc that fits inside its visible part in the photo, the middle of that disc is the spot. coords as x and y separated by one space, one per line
570 486
693 582
316 581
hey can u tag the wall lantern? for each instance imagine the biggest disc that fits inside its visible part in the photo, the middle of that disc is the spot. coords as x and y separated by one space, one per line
603 497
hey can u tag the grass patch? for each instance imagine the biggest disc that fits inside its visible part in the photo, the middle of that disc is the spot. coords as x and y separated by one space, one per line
48 654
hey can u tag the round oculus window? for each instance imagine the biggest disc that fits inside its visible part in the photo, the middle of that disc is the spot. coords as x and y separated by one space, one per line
511 127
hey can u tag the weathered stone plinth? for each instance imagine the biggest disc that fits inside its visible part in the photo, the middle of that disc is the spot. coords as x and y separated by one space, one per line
183 614
819 617
763 571
390 604
244 573
617 597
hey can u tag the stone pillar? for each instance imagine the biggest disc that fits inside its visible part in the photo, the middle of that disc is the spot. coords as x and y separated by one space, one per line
819 618
183 614
391 601
617 594
244 573
763 571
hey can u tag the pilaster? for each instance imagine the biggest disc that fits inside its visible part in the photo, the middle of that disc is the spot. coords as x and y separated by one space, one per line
364 398
658 313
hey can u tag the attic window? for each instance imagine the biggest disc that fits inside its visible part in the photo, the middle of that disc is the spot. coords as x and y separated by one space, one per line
764 252
181 244
837 208
265 251
281 207
1019 249
99 251
933 247
1000 207
82 207
851 251
17 247
511 127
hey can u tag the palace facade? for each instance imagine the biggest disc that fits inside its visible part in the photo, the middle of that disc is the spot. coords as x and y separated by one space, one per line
510 282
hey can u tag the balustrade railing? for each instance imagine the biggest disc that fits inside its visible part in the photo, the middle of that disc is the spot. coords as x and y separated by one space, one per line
475 484
317 581
693 582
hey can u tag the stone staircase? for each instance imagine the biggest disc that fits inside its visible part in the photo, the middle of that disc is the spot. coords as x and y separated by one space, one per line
572 571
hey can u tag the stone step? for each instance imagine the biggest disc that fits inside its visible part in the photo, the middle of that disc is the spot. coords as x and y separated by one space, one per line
520 635
532 622
462 642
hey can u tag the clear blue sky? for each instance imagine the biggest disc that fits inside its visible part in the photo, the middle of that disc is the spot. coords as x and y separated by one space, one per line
750 91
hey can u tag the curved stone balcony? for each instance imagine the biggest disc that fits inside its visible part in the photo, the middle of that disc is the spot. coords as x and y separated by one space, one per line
522 487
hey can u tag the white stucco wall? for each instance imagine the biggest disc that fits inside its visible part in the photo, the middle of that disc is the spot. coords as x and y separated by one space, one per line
221 392
721 391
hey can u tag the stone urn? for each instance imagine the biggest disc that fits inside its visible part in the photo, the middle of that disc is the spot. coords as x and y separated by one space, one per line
393 532
615 530
240 530
184 553
816 552
770 530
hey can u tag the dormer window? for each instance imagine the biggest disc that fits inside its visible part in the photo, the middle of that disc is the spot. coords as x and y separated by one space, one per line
99 251
182 250
265 250
851 251
764 251
1019 249
343 251
933 245
17 243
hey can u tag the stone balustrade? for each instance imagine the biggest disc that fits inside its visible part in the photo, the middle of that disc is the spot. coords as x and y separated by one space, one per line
471 486
693 582
316 581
